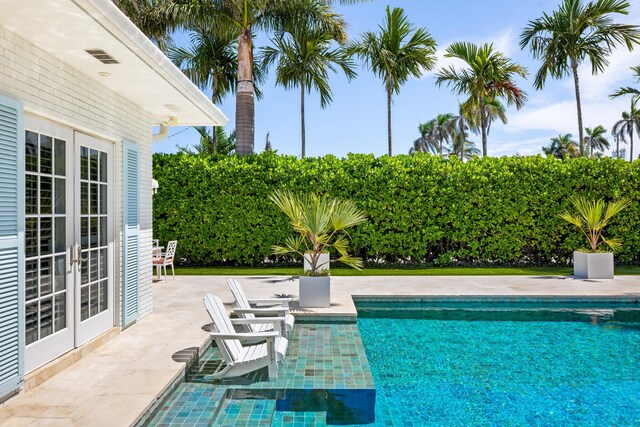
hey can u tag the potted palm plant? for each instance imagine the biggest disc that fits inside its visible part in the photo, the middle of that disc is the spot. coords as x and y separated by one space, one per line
320 223
592 218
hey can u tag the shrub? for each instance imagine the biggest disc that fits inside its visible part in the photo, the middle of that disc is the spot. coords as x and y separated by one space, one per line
421 209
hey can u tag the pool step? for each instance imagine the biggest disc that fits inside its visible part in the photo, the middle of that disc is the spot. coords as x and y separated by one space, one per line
289 419
245 413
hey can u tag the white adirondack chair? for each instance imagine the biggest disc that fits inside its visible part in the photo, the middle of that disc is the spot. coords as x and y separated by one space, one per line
242 359
277 307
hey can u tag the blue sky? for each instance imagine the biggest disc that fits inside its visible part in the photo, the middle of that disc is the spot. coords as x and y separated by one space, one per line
356 120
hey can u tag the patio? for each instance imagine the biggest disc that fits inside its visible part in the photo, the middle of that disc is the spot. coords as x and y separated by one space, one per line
116 383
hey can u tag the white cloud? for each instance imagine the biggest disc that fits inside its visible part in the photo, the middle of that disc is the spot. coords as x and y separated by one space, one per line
561 117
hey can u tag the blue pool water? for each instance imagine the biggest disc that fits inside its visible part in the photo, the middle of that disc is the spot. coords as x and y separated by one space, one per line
481 365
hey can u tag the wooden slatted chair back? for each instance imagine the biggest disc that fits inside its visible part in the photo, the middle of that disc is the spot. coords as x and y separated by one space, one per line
231 349
241 298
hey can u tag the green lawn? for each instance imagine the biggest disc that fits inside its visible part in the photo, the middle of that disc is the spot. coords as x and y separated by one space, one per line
430 271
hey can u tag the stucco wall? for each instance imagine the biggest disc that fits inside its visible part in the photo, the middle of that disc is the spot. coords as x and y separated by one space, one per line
58 92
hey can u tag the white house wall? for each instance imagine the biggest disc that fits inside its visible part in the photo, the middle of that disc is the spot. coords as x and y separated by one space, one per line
58 92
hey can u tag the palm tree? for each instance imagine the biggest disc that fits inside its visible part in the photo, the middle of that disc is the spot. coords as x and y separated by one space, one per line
210 62
595 139
226 144
573 33
443 127
616 137
562 146
304 56
244 16
489 75
629 90
625 127
461 146
426 143
398 51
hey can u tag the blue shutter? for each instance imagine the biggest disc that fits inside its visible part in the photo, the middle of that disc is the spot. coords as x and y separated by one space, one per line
11 246
130 232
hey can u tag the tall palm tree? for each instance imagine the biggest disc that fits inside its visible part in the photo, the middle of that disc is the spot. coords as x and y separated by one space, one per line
245 16
595 139
210 62
630 121
489 75
562 146
303 57
573 33
629 90
398 51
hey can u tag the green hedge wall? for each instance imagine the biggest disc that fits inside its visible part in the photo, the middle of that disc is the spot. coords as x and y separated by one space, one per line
421 209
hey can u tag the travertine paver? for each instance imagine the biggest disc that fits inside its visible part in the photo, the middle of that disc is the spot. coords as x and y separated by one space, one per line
116 383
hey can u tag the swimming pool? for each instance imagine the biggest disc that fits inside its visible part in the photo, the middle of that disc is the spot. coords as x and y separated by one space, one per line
424 362
453 362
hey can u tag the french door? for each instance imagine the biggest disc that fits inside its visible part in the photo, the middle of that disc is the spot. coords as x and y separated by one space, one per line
68 240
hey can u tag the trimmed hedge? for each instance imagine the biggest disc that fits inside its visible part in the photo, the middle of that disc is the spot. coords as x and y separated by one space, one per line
421 209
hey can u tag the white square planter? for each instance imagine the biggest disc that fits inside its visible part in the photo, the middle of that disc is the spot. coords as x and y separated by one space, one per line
593 265
315 291
323 262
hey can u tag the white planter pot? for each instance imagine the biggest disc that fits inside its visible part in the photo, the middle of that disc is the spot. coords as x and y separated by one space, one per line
323 262
315 291
593 265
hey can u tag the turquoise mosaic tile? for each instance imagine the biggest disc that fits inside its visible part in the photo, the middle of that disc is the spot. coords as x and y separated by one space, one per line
326 369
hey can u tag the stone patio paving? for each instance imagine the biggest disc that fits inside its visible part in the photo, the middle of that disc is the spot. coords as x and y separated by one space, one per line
115 384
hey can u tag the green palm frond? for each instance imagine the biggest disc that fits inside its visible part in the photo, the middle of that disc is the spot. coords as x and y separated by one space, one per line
593 216
319 222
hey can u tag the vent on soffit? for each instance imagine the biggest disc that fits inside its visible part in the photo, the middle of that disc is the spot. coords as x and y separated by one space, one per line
102 56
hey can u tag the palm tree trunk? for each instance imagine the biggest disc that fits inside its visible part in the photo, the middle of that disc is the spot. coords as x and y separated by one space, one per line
464 137
214 130
617 147
631 145
483 125
245 108
576 82
302 128
389 120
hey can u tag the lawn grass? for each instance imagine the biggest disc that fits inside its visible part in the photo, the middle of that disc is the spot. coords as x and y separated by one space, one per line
379 271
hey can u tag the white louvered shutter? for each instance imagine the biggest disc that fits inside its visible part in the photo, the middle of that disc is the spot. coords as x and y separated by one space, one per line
130 233
11 246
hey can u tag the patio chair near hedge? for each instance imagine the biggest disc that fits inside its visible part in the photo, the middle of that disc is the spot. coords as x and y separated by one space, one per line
165 260
242 359
275 307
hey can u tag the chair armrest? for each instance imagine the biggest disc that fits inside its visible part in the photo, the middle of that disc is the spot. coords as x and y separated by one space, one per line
243 335
263 310
257 320
275 301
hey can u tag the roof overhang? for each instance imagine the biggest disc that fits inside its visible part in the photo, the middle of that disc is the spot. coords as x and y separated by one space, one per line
143 74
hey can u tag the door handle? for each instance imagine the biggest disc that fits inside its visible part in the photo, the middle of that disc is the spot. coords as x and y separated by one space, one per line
78 260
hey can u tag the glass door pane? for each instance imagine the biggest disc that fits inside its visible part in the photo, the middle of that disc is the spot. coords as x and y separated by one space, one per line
49 292
45 236
93 237
93 226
